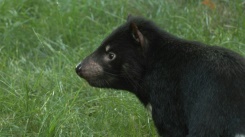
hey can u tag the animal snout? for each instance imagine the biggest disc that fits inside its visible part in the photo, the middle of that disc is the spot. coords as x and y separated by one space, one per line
79 69
89 69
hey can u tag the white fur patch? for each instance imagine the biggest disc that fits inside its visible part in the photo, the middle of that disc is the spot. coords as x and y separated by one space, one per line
239 135
107 48
79 67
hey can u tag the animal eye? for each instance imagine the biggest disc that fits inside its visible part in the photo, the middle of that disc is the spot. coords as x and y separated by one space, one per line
111 55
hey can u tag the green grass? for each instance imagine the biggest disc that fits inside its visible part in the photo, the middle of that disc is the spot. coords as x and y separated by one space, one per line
41 41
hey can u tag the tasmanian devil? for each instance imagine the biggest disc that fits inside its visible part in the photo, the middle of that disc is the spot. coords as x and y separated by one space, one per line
195 90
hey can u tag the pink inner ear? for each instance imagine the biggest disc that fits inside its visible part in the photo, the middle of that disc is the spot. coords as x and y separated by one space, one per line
138 36
135 31
135 38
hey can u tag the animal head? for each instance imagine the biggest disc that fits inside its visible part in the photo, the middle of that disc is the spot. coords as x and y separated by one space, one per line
119 61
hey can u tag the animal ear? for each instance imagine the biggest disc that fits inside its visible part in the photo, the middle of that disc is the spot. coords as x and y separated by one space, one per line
137 35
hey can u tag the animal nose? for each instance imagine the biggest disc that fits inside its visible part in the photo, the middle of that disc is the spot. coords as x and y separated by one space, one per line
78 68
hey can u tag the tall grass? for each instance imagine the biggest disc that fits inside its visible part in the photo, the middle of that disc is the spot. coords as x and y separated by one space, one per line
41 41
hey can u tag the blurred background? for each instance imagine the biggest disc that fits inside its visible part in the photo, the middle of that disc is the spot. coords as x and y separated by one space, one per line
41 41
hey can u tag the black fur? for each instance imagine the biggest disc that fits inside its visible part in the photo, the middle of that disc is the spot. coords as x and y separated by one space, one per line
195 90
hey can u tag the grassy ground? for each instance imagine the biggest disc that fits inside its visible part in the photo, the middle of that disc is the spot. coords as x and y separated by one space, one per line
41 41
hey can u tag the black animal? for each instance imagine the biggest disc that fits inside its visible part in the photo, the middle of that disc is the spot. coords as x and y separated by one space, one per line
195 90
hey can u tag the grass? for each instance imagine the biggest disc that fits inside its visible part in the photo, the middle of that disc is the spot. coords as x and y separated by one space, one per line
41 41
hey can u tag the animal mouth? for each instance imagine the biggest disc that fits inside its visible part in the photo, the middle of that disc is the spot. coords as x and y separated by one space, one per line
95 83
